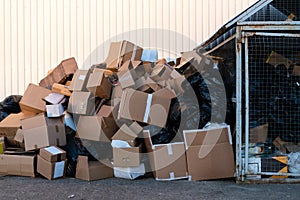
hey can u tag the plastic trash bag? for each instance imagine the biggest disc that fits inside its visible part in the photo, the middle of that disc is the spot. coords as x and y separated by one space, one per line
294 162
10 105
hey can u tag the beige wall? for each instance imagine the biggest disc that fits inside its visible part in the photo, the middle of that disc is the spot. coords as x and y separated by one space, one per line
35 35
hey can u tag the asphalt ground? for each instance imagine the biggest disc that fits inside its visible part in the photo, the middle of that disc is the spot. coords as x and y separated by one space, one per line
17 188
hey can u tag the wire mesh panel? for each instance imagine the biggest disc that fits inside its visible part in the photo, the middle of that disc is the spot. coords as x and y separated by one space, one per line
278 10
272 138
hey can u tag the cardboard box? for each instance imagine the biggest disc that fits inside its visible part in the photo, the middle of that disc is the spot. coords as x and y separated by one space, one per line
276 59
161 72
40 131
54 98
127 75
79 81
10 125
55 110
259 134
126 134
209 153
93 170
53 154
81 103
108 111
96 128
32 100
296 70
60 73
127 156
142 107
61 89
51 170
120 52
18 165
130 172
99 85
168 161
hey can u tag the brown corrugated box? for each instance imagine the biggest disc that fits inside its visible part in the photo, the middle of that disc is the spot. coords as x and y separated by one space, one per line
60 73
259 134
127 156
168 161
148 108
209 153
93 170
79 80
10 125
18 165
32 100
96 128
51 170
120 52
61 89
40 131
82 103
99 85
53 154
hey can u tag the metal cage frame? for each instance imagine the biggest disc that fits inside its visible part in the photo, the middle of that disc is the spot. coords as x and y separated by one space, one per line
243 32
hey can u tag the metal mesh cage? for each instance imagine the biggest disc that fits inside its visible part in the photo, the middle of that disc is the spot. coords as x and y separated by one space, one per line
278 10
274 101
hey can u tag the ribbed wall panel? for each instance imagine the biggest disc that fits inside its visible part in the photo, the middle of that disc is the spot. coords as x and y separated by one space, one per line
35 35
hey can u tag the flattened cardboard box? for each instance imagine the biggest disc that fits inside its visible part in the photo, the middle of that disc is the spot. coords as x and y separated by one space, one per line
209 153
10 125
18 165
40 132
99 85
93 170
142 107
53 154
51 170
96 128
32 100
168 161
60 73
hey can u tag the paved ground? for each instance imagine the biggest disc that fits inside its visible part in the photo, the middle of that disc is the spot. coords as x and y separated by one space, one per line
17 188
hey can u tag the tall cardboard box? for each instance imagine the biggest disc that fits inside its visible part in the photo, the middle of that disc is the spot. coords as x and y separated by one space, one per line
19 165
66 68
99 85
119 52
79 81
32 100
148 108
82 103
168 161
40 131
209 153
96 128
10 125
93 170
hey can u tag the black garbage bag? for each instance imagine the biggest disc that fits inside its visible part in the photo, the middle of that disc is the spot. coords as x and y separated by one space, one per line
10 105
73 148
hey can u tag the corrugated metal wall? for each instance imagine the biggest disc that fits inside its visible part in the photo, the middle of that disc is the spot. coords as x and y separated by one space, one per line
35 35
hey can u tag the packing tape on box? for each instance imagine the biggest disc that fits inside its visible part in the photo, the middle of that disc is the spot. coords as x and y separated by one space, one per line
169 147
147 110
133 52
172 175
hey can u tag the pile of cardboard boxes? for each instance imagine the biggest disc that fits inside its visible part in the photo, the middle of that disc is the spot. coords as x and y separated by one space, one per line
113 103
